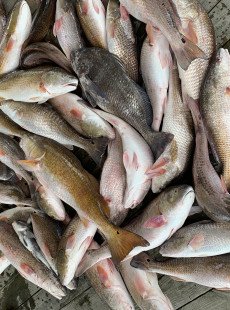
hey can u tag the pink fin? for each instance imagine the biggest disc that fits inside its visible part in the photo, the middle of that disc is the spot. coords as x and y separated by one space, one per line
76 113
85 7
46 250
141 287
70 242
150 33
155 221
2 153
10 45
223 184
135 163
26 269
103 276
42 87
126 159
197 241
96 7
158 168
124 13
190 32
227 91
57 25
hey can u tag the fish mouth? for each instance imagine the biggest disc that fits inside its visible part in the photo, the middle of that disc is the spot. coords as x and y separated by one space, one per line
189 195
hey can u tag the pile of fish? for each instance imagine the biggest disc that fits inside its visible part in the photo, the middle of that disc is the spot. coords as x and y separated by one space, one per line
105 107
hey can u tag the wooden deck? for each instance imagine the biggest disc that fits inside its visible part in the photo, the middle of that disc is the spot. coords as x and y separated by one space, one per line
16 293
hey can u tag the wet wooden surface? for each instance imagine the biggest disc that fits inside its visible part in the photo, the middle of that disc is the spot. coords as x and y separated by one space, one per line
17 293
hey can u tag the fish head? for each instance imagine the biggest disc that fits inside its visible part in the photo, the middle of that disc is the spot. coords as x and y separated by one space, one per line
175 202
141 261
32 146
222 66
19 226
58 81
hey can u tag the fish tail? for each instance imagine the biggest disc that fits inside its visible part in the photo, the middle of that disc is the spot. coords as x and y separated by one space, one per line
158 142
96 149
186 51
121 242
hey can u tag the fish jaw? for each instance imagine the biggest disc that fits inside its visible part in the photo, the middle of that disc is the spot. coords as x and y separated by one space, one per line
136 193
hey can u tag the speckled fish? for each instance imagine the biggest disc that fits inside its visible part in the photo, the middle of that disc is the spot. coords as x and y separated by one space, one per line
108 284
73 244
10 153
162 14
137 160
91 14
16 32
36 85
177 121
13 195
198 240
3 19
27 238
45 232
67 28
44 121
113 181
10 128
5 173
159 221
55 166
156 60
120 37
27 265
50 203
81 117
18 214
41 53
197 26
210 189
130 103
214 105
42 21
144 288
208 271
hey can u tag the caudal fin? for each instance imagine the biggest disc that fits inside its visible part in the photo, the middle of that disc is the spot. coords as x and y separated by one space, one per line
186 52
158 142
97 148
121 242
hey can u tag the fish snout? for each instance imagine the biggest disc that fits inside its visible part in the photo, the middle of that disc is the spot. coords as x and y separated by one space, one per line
189 195
140 261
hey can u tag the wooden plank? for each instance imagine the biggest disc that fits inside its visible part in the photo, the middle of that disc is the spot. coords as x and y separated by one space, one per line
209 4
16 291
212 300
41 299
181 293
88 300
9 273
220 16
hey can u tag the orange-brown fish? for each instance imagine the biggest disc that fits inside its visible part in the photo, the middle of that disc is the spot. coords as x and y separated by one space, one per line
55 166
